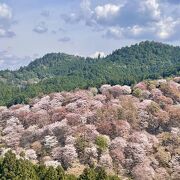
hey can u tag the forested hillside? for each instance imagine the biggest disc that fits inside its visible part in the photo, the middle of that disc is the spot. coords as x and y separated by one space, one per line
111 133
57 71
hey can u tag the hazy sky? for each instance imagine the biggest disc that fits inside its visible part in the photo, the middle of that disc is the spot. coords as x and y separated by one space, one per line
32 28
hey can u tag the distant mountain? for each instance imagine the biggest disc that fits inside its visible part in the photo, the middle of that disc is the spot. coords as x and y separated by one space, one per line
59 71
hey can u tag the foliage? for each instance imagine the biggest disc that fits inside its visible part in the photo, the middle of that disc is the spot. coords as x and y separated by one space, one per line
12 168
163 157
137 92
81 144
57 71
88 174
96 174
20 169
153 108
102 143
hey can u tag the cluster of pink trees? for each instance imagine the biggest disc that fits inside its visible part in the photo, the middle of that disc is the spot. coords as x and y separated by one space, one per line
132 131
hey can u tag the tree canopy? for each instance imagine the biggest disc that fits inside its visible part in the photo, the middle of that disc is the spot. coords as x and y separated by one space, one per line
58 71
21 169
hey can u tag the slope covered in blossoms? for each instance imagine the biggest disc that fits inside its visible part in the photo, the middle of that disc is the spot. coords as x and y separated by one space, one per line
130 131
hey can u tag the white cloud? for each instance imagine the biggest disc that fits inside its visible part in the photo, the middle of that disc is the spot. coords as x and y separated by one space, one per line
1 61
152 7
71 18
41 28
86 13
6 33
167 27
64 39
124 13
114 33
107 10
11 61
97 54
93 16
86 7
136 30
150 22
6 21
5 12
135 19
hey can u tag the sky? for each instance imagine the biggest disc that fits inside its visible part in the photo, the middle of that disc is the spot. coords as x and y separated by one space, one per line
31 28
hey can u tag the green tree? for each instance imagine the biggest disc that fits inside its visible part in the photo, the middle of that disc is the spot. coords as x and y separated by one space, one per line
9 166
51 173
101 174
88 174
60 173
102 143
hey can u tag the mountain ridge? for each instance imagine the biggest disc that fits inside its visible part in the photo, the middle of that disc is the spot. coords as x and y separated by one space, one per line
47 59
59 71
